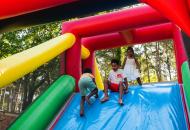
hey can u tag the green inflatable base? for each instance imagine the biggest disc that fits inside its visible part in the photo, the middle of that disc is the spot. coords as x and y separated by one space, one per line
186 82
40 114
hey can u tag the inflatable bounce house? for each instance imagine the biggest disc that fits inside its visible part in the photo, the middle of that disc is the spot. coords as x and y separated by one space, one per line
155 106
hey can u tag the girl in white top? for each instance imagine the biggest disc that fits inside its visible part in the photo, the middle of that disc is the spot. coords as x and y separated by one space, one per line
131 67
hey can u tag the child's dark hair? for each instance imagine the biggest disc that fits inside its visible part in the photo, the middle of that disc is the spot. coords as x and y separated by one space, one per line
116 61
87 70
131 49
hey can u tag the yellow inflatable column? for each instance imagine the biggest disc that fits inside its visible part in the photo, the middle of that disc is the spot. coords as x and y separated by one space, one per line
98 77
16 66
85 53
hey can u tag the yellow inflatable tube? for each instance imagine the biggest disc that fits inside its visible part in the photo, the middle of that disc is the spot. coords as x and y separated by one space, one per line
16 66
85 53
98 77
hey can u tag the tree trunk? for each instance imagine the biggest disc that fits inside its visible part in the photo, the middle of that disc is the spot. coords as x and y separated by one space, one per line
31 88
3 100
18 106
25 95
158 62
10 100
118 54
25 99
14 100
168 62
147 63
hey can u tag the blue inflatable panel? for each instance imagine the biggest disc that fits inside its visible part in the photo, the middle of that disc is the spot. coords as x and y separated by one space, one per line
151 107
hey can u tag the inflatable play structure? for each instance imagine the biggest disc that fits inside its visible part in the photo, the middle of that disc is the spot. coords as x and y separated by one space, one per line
153 106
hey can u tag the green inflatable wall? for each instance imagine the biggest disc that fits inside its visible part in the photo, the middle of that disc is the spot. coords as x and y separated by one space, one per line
186 82
39 115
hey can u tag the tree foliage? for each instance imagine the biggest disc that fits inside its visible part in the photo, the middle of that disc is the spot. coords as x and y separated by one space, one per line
157 60
27 88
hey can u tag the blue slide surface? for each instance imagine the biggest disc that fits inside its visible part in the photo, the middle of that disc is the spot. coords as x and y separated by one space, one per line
151 107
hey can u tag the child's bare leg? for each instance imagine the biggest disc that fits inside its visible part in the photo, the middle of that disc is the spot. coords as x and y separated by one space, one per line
139 81
126 85
106 97
82 105
93 92
96 95
120 94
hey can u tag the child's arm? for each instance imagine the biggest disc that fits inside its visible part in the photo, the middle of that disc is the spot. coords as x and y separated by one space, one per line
93 79
108 81
137 64
123 65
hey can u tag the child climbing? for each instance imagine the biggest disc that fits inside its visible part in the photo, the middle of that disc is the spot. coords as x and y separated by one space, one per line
115 82
86 83
131 67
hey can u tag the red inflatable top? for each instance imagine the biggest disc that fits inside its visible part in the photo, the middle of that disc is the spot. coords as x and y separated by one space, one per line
175 10
10 8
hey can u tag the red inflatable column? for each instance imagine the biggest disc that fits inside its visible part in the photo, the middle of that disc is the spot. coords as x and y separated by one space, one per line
73 61
89 62
179 52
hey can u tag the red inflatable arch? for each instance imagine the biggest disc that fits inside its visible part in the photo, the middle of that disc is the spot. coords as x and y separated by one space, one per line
152 27
175 10
141 35
112 40
106 23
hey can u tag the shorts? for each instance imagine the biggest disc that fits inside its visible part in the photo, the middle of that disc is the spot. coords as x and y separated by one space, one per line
86 84
115 87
